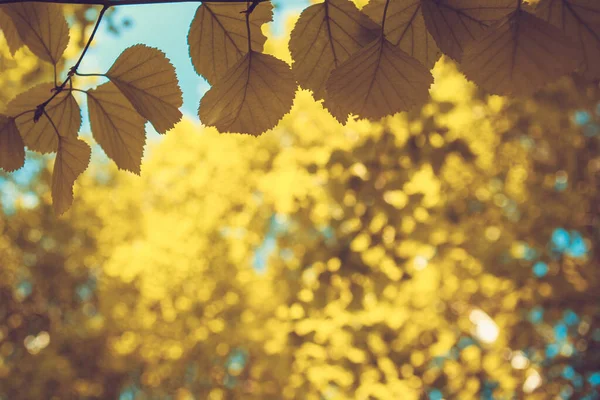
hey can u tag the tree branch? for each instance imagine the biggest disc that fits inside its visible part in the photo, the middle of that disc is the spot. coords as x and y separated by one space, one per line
113 3
89 42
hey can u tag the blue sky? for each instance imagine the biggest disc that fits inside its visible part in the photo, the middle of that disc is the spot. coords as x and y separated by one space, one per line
165 26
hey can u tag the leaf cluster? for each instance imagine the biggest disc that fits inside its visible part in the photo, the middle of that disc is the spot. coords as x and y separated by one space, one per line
369 63
47 117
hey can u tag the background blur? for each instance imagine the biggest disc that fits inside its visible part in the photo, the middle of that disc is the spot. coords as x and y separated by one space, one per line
448 253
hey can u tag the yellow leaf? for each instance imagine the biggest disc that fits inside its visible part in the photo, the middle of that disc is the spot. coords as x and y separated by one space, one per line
405 27
12 148
63 110
519 55
456 23
117 127
580 21
325 36
252 97
71 160
148 80
218 37
378 80
42 27
11 35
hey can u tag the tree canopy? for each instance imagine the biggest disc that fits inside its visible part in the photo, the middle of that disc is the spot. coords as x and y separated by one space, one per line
450 251
447 252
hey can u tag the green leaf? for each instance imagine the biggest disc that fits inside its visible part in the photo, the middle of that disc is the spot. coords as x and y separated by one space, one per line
42 27
456 23
519 55
12 148
252 97
218 37
117 127
148 80
41 135
71 160
377 81
11 35
324 37
580 21
405 27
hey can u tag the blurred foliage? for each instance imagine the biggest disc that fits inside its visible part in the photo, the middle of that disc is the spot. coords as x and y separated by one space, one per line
451 252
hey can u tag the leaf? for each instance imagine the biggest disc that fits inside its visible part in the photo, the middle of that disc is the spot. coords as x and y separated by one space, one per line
148 80
252 97
11 35
378 80
71 160
455 23
580 21
519 55
325 36
218 36
117 127
63 110
12 148
405 27
42 27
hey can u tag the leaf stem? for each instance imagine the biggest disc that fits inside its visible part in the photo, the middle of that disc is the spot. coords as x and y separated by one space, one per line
80 74
248 11
23 113
328 25
387 3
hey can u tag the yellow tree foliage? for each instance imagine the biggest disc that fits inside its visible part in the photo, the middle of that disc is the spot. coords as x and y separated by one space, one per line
399 259
368 63
447 252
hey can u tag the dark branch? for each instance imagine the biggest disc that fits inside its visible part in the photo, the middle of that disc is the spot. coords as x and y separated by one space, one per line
252 7
89 42
113 3
41 108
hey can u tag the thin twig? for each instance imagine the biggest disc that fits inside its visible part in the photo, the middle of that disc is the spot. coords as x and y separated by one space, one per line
53 125
80 74
41 108
248 12
87 46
